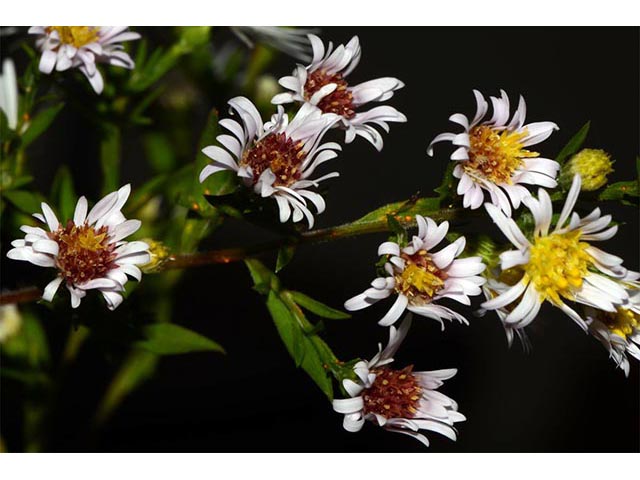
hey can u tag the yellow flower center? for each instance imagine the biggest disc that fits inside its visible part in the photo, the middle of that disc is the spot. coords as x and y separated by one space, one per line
494 155
76 36
421 279
622 322
558 264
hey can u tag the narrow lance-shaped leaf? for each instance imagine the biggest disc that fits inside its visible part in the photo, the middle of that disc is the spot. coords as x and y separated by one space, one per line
63 192
110 159
27 202
574 144
40 123
285 254
171 339
287 327
319 308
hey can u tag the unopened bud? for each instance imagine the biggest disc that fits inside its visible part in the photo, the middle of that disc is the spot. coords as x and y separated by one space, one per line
592 165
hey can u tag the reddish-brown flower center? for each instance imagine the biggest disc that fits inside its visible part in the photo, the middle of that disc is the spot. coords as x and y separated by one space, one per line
394 393
421 279
84 253
279 153
340 101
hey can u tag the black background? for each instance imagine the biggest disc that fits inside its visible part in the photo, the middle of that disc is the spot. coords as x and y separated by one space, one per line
566 395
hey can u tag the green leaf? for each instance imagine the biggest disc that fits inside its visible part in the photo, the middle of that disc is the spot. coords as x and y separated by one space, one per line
574 144
307 349
319 308
159 152
285 254
287 327
171 339
138 367
110 159
63 192
40 123
403 211
446 190
263 279
27 202
618 190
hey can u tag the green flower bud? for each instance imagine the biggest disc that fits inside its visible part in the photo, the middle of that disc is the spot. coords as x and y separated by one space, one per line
159 255
592 165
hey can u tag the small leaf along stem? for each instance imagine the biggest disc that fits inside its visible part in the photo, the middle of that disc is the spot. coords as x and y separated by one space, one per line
229 255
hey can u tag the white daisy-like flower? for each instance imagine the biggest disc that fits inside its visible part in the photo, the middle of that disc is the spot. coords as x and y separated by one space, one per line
323 83
89 251
401 401
420 277
619 331
9 93
276 159
558 265
292 41
492 154
82 47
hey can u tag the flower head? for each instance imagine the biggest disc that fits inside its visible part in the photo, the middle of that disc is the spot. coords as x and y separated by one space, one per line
619 331
88 250
492 154
9 93
557 265
323 84
276 159
82 47
592 165
401 401
420 277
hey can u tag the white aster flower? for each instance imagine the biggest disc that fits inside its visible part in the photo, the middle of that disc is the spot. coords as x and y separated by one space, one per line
557 265
289 40
89 251
491 154
9 93
276 159
619 331
323 84
82 47
401 401
420 277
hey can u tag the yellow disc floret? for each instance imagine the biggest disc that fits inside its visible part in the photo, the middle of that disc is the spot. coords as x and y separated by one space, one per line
76 36
495 155
558 264
623 322
420 280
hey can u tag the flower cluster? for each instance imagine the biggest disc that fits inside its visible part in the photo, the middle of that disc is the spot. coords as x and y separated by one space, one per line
278 158
433 273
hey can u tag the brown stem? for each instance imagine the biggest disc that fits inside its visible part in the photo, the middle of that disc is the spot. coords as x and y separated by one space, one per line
29 294
229 255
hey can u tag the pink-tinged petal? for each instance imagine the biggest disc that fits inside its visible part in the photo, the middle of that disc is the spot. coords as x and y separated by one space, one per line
47 61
